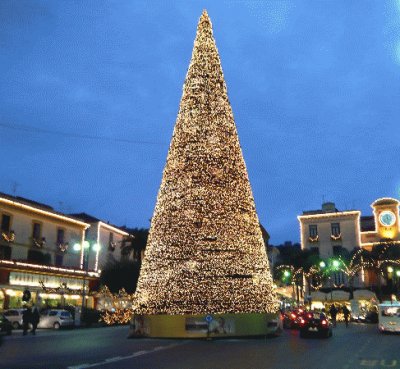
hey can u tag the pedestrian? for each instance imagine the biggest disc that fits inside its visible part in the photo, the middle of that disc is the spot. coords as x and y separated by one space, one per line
26 319
333 311
346 313
35 319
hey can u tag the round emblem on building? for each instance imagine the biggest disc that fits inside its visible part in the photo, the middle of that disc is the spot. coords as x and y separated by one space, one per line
387 218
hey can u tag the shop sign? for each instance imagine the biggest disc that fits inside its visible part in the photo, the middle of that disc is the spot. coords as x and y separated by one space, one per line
32 279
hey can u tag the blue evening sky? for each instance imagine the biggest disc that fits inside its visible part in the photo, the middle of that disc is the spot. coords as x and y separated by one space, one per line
314 88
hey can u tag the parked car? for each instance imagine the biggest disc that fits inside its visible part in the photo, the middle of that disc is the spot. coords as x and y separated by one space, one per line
291 318
315 323
5 325
15 317
55 318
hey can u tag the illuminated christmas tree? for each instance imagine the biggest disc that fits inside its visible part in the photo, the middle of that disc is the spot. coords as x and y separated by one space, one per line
205 253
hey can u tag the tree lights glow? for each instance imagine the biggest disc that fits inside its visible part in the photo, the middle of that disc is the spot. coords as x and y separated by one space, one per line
205 252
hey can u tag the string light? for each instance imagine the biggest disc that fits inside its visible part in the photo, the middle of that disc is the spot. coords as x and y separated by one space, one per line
205 252
49 268
119 310
52 214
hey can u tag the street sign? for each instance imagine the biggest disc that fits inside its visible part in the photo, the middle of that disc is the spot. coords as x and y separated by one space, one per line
209 318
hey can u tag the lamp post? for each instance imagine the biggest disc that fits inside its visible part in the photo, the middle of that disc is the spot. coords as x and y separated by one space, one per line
335 266
397 280
86 247
286 278
390 278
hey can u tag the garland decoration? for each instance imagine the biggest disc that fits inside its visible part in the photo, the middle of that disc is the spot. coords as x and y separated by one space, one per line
63 246
8 236
39 243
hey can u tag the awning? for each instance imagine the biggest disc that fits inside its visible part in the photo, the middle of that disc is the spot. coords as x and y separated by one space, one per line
338 295
318 296
364 295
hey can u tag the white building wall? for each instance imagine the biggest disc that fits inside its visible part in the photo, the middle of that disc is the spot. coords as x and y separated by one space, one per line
106 253
99 233
22 224
349 230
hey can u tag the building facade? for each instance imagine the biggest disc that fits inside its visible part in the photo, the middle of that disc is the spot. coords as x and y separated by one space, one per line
327 230
107 238
36 253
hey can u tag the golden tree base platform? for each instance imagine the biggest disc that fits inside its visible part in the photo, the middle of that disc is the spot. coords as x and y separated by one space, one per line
206 326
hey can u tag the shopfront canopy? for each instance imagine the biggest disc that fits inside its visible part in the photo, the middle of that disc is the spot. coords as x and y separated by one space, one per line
364 295
338 295
318 296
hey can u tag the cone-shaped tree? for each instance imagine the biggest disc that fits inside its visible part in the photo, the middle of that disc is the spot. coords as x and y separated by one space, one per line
205 252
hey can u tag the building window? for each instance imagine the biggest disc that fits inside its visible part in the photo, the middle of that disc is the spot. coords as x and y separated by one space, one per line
313 233
337 250
313 230
335 231
5 223
59 260
111 243
60 236
5 252
338 279
315 250
36 231
37 257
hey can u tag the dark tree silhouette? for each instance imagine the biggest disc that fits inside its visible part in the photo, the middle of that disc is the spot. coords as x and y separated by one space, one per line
120 274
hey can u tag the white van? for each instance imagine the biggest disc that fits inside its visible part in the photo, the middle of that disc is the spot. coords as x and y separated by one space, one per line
389 316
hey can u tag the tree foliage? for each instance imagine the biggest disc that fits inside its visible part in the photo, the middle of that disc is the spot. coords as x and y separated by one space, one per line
120 274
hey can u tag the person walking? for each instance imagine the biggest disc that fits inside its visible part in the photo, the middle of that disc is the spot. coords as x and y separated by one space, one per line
35 319
333 312
346 313
26 319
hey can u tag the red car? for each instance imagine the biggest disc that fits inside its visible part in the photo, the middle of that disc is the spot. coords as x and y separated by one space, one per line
292 318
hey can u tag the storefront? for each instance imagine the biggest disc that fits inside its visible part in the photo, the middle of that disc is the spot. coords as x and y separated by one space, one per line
49 286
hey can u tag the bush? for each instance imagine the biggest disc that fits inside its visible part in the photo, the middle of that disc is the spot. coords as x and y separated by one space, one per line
90 316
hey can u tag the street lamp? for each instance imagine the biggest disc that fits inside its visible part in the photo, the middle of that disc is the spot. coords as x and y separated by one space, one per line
86 247
335 264
334 267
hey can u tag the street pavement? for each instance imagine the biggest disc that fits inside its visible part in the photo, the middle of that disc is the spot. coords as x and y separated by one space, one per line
360 346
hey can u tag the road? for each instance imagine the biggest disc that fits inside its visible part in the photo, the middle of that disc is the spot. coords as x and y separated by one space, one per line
357 347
